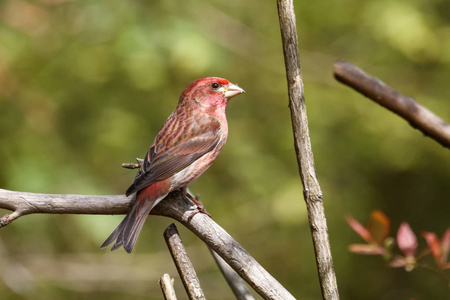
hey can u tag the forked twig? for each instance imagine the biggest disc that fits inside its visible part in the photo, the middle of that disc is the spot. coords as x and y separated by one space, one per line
174 206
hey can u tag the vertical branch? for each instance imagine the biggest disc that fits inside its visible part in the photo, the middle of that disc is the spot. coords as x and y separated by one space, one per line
183 263
305 159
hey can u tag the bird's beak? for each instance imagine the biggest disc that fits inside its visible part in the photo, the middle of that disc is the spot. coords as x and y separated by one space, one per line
232 90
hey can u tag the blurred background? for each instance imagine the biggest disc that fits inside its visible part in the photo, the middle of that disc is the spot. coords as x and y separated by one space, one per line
86 85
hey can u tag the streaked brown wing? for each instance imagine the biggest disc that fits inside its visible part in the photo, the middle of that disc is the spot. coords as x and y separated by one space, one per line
176 147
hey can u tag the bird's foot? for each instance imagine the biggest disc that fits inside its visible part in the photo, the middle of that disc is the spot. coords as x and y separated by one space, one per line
200 208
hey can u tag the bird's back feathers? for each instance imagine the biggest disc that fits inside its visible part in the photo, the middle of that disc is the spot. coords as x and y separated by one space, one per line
187 143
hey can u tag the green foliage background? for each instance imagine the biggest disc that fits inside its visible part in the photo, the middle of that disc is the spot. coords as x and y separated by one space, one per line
86 85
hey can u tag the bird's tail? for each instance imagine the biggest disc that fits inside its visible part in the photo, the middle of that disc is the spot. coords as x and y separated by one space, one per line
128 230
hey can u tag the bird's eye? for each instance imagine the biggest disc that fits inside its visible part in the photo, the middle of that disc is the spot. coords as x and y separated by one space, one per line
215 85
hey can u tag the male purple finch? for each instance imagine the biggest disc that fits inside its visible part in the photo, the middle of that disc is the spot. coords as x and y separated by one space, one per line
188 143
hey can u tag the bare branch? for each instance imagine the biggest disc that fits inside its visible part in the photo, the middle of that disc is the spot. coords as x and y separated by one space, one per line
183 263
235 282
418 116
305 159
166 284
31 203
174 206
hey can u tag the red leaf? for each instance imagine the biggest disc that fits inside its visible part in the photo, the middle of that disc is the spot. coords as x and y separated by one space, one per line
360 230
434 245
379 226
406 240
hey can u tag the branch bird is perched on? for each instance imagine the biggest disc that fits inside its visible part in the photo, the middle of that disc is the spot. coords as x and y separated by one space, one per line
188 143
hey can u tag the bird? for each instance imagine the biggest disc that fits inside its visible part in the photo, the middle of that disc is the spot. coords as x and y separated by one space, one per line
187 144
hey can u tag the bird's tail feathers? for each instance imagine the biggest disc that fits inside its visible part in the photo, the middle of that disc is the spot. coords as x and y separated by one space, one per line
115 233
128 230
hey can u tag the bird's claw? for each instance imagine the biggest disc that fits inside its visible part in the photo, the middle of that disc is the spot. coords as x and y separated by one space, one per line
199 209
196 211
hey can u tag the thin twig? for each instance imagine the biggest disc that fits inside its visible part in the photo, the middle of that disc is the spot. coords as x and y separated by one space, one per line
133 165
418 116
167 289
235 282
130 166
174 206
183 263
305 159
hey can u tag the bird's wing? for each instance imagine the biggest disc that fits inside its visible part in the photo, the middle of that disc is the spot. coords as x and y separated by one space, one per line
178 144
